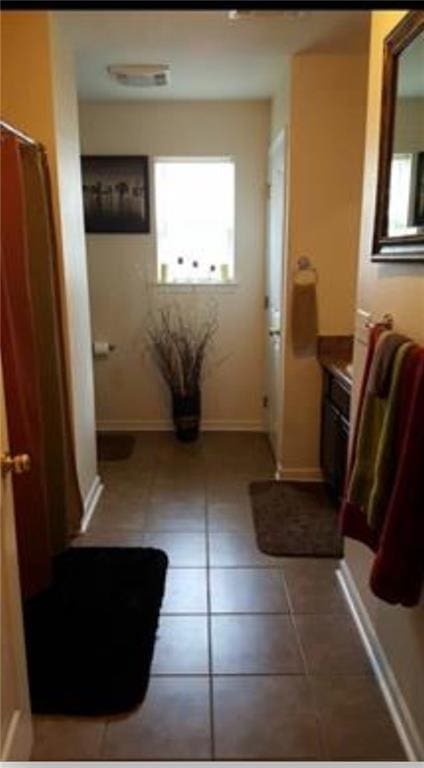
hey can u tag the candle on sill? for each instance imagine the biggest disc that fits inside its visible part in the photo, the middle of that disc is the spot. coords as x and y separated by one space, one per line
180 272
224 273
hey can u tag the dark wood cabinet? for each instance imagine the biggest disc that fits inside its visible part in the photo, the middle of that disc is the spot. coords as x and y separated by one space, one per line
334 432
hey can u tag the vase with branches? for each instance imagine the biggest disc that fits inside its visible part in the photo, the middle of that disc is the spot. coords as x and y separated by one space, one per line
179 343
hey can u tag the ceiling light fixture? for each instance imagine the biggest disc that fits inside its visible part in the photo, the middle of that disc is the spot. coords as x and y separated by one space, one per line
140 75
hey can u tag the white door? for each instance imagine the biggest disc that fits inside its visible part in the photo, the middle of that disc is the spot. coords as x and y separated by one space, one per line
274 283
16 728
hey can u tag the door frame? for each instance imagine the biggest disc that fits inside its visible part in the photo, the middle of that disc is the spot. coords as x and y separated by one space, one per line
281 138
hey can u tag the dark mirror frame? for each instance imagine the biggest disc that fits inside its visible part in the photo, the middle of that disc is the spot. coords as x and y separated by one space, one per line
405 247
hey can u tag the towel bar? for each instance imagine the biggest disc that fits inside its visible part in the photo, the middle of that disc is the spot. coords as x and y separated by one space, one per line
387 321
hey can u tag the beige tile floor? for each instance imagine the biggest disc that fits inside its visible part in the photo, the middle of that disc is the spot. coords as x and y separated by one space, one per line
256 656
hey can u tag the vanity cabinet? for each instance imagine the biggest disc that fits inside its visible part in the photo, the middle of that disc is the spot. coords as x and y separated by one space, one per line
334 431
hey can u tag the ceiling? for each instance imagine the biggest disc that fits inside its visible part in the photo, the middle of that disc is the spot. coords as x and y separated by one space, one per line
211 56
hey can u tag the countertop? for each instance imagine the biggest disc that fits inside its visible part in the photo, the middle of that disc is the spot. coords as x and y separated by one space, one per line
335 354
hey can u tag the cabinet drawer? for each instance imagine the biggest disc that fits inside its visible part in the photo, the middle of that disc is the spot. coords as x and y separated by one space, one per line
340 397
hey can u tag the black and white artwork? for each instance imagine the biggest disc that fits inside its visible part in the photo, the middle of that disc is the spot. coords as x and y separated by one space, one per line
115 193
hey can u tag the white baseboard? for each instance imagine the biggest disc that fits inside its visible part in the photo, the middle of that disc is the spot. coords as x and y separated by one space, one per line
17 744
300 474
396 704
167 426
90 502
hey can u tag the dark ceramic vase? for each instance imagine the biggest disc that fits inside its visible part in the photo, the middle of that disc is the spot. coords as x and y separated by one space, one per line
186 415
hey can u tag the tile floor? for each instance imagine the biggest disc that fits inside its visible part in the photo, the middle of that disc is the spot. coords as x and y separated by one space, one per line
256 656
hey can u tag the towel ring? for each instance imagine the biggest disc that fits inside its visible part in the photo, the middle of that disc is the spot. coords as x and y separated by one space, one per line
305 273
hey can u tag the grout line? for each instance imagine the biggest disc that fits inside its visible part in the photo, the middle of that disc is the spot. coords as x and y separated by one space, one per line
299 642
246 566
287 593
322 735
232 613
181 614
245 674
209 625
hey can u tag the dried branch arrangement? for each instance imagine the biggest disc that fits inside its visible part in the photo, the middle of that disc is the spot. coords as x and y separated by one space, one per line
179 343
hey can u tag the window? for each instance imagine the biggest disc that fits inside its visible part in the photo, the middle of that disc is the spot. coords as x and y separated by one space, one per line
194 219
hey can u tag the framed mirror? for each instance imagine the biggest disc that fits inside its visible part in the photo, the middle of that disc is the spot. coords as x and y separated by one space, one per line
399 220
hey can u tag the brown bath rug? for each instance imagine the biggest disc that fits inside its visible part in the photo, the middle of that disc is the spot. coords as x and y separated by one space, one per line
295 519
114 446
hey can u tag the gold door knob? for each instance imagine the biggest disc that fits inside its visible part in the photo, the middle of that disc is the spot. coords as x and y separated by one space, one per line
17 464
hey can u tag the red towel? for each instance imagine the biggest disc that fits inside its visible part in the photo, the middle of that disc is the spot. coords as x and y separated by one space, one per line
398 571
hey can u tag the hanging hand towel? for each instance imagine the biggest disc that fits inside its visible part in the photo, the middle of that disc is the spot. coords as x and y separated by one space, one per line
304 319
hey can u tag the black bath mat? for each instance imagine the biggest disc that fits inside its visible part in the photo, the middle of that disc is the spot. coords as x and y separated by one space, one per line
90 636
295 519
114 446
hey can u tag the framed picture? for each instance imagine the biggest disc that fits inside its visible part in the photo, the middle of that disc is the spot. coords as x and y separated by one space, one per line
419 192
116 193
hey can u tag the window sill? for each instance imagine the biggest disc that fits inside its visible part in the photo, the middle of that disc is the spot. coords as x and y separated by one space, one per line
191 285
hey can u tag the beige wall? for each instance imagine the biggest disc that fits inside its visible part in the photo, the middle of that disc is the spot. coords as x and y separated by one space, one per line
328 95
129 392
38 96
26 79
398 289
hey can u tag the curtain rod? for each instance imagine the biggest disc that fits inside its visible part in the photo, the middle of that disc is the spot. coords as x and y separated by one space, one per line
20 135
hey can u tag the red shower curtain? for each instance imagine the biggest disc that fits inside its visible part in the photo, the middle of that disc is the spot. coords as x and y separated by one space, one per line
63 495
21 377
